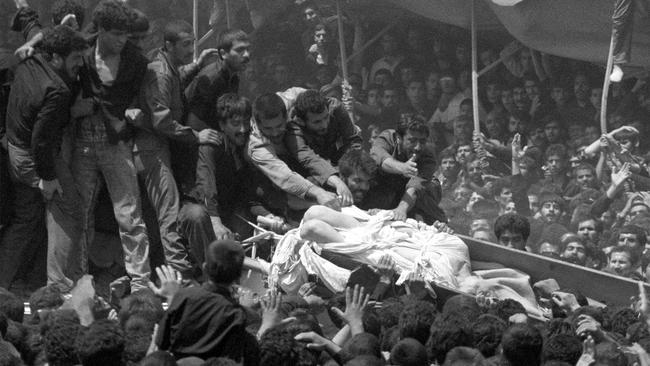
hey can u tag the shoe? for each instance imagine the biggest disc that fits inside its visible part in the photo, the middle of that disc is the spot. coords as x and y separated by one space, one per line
617 74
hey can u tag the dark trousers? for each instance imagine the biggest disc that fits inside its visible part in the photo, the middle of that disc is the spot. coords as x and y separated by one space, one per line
622 28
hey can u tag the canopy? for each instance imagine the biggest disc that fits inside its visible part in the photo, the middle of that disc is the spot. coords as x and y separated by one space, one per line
577 29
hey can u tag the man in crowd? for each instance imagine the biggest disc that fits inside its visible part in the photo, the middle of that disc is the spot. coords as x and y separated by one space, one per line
37 113
512 231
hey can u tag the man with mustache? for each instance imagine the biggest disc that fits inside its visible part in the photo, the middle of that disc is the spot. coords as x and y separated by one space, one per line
161 100
37 113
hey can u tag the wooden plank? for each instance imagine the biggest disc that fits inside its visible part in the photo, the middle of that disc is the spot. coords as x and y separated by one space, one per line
598 285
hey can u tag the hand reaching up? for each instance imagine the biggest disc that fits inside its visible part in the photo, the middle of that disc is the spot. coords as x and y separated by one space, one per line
170 282
355 303
621 175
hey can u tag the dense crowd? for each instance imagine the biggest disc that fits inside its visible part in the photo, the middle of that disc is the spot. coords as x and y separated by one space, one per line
188 150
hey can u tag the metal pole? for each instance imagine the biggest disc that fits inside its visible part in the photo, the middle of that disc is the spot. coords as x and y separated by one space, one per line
195 24
228 14
371 41
477 127
339 21
603 101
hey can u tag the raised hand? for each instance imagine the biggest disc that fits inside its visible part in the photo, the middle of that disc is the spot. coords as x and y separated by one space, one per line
621 175
385 268
410 167
170 282
355 303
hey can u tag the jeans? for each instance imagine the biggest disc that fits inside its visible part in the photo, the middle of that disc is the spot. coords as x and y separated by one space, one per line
622 29
25 235
195 224
154 169
94 155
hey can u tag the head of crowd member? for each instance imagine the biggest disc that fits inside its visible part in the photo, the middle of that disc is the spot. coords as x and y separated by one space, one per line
527 166
447 334
485 235
179 41
64 49
357 169
102 343
373 95
531 86
518 122
537 136
621 261
629 140
549 249
585 175
475 170
462 55
463 126
632 237
639 209
464 80
519 97
280 75
234 114
383 77
278 347
493 91
590 230
432 83
234 49
448 83
270 116
591 133
512 231
415 320
581 87
112 18
415 92
482 215
462 194
565 348
61 8
390 97
556 159
576 131
573 249
463 153
390 44
533 202
138 29
495 124
559 92
466 108
507 101
405 72
312 109
522 345
59 332
553 129
595 97
413 133
223 262
311 13
551 207
448 164
320 35
502 192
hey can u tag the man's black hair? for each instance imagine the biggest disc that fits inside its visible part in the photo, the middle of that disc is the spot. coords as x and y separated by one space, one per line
174 28
112 15
61 8
415 320
522 345
269 106
139 22
557 326
101 344
59 332
309 101
641 237
357 160
279 348
562 347
514 223
11 306
610 354
366 360
220 361
637 331
389 313
622 319
445 335
159 358
136 346
408 122
46 297
224 261
363 344
463 303
143 303
556 149
506 308
231 105
62 40
229 37
487 331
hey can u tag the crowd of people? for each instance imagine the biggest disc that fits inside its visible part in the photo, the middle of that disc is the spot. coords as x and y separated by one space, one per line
188 149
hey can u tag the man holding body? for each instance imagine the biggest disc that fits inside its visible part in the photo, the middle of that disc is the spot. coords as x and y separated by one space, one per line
318 135
37 113
103 140
161 100
405 182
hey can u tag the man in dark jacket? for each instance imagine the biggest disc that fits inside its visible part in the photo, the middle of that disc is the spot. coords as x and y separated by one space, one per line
37 113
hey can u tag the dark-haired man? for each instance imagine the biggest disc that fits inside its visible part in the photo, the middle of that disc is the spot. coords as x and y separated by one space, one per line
207 321
161 100
37 113
405 182
318 135
512 231
103 139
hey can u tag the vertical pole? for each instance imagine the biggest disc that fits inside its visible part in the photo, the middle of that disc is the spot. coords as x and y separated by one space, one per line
228 14
339 21
195 24
603 102
477 127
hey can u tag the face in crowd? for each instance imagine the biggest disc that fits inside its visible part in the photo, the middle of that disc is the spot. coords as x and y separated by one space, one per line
236 129
575 252
551 211
238 57
413 142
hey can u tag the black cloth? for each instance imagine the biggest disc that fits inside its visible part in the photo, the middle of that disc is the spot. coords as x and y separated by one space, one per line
37 111
206 322
212 82
112 101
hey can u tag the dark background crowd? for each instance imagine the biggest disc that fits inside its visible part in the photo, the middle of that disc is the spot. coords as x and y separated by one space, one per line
162 161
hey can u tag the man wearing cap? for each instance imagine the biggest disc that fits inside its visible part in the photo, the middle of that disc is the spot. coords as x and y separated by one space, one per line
206 321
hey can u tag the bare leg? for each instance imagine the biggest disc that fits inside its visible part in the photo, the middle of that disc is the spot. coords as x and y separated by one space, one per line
332 217
320 232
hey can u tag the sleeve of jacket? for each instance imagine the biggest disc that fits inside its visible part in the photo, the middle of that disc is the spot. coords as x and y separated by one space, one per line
319 168
382 147
158 97
203 92
277 170
50 120
206 171
187 73
350 133
26 21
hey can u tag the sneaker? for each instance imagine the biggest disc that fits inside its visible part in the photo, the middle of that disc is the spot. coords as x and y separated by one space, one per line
617 74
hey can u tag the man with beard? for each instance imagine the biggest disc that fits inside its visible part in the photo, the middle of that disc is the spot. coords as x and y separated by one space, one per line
319 133
573 249
622 261
447 172
590 231
555 177
550 213
405 183
358 170
416 100
224 181
37 113
161 100
580 109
